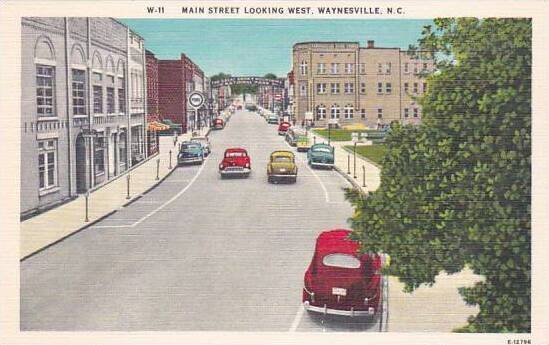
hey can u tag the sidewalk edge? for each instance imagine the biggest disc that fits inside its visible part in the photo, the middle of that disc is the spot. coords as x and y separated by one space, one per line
351 180
137 197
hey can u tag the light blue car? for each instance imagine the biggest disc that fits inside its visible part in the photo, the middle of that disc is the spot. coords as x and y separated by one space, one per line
321 155
190 152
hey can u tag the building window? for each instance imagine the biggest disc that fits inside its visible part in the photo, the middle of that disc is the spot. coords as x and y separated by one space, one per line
348 111
379 87
302 89
335 88
406 67
379 68
335 111
99 156
406 112
379 113
363 113
388 88
321 112
406 87
321 88
110 100
416 112
424 87
45 86
349 87
121 95
303 68
415 87
78 92
97 99
47 164
425 67
348 68
334 68
320 68
363 88
415 67
362 67
388 68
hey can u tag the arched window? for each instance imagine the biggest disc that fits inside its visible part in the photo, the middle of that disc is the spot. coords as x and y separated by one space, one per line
78 75
320 112
44 57
121 85
97 81
348 111
335 111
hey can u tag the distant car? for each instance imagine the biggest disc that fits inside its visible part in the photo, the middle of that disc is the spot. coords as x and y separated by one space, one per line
283 127
218 123
190 152
236 161
339 280
281 166
303 143
292 134
205 142
321 155
272 119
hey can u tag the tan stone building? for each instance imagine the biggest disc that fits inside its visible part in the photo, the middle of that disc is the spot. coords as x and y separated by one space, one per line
352 84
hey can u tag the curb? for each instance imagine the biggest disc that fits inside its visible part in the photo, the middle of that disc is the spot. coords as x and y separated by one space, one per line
108 214
68 235
351 180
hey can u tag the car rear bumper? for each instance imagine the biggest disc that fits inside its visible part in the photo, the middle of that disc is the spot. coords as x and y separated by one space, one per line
189 160
283 175
235 172
318 164
332 311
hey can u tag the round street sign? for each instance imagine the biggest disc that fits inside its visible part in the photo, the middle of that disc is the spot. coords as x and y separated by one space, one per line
196 99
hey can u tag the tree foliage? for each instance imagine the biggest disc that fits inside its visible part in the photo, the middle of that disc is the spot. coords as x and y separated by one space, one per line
455 191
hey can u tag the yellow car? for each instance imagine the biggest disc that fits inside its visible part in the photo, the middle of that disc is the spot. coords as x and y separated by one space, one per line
282 166
303 143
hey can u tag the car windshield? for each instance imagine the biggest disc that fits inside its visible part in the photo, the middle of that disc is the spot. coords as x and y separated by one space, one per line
235 154
341 260
188 146
282 159
322 149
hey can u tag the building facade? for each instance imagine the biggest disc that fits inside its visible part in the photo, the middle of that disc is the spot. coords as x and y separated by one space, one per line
75 106
343 83
153 111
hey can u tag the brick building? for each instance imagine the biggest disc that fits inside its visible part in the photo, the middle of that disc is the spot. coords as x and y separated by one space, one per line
153 111
348 84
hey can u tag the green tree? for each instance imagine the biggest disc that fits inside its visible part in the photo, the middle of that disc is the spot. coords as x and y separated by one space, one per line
220 76
455 191
270 76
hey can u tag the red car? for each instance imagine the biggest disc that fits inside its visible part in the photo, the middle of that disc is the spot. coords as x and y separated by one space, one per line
218 123
283 127
341 281
236 161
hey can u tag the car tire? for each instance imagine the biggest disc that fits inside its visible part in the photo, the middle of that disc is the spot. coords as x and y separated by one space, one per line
269 179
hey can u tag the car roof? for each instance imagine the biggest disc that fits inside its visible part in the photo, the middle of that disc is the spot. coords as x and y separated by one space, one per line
235 149
282 153
336 241
322 144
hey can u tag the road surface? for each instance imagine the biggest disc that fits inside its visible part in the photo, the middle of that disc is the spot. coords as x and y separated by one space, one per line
197 253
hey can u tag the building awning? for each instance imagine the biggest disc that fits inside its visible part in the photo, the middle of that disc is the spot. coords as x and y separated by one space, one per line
157 126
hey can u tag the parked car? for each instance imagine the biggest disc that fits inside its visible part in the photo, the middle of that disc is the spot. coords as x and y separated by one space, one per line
272 119
321 155
292 134
281 166
218 123
303 143
236 161
205 142
190 152
283 127
341 281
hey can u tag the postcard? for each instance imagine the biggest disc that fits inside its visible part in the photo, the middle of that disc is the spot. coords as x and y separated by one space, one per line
274 172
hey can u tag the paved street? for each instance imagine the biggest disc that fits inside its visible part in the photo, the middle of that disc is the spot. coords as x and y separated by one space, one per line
197 253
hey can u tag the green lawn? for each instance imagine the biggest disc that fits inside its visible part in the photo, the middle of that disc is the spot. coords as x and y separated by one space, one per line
340 134
372 152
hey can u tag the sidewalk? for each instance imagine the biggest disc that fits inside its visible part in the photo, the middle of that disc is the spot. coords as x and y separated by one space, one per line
438 308
51 226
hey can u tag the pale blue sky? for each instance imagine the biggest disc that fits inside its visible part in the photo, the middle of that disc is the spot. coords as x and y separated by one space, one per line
258 46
